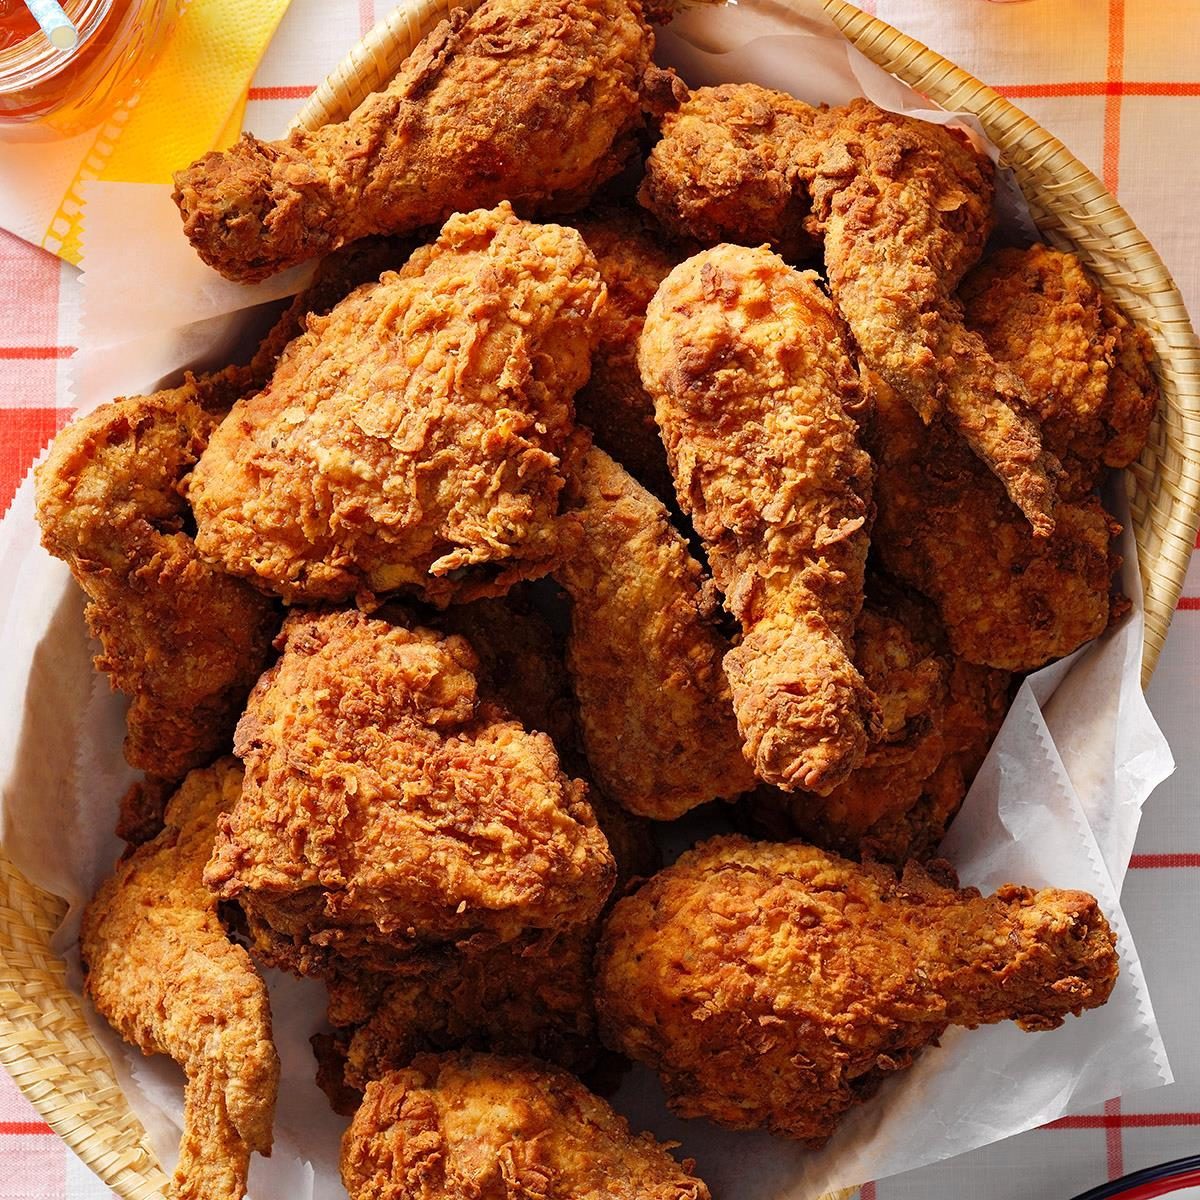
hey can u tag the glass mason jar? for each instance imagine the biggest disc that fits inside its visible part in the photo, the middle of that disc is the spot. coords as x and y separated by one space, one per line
48 93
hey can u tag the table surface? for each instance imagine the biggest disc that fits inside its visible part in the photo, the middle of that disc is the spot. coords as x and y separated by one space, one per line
1119 82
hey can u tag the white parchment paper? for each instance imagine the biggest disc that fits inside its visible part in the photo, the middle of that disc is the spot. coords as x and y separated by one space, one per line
1057 802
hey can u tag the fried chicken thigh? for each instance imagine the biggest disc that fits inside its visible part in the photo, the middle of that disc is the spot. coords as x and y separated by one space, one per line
497 1128
645 654
634 258
387 807
755 395
534 101
412 438
904 209
775 986
162 971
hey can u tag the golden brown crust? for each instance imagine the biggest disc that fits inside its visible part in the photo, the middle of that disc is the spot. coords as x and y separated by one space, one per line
775 986
645 655
565 84
163 972
1085 367
412 438
634 257
944 526
497 1128
754 393
386 807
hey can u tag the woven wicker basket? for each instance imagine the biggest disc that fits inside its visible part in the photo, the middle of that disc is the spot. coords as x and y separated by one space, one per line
45 1043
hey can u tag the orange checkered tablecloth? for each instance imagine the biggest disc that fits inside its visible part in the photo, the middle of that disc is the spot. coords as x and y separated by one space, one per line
1119 82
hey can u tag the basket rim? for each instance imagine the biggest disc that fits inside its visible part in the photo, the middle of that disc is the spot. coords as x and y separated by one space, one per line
42 1022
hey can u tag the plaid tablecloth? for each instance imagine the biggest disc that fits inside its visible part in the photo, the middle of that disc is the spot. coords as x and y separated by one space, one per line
1119 82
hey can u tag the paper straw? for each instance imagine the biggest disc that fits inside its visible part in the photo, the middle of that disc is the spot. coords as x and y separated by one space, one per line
55 23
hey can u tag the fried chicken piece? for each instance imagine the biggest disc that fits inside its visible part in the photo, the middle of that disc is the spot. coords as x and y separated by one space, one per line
775 986
184 641
160 968
645 654
489 1126
755 395
412 438
534 101
1085 367
386 807
727 169
904 209
944 526
940 715
634 258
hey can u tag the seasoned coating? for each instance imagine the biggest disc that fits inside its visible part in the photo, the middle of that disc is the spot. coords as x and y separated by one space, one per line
387 807
904 209
727 169
499 1128
1085 366
645 654
160 968
940 715
412 437
944 526
775 985
183 640
634 257
534 101
755 395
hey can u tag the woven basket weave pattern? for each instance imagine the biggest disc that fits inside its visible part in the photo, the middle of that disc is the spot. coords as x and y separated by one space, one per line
45 1043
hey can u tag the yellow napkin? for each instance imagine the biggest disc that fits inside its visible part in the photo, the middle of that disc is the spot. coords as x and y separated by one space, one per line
192 102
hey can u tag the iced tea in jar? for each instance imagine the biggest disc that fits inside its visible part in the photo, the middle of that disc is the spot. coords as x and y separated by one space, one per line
48 92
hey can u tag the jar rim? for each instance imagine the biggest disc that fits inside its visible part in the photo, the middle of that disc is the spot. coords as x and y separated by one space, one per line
20 70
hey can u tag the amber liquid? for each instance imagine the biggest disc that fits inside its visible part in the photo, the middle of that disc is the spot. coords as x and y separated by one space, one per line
74 89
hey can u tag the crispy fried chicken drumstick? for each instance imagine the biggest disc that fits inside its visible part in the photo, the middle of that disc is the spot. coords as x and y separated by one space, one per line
754 392
412 437
904 209
388 807
162 971
486 1126
533 101
775 986
645 654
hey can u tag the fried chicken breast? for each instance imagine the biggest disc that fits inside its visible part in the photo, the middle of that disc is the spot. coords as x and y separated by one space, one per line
160 968
533 101
412 438
774 986
755 394
487 1126
387 807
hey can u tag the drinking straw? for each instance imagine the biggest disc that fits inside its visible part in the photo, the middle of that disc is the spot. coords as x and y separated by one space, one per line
55 23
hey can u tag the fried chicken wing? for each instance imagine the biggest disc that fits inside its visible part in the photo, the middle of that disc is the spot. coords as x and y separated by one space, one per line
776 986
1085 367
634 258
755 395
533 101
386 807
945 527
645 654
940 715
412 438
904 209
489 1126
162 971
